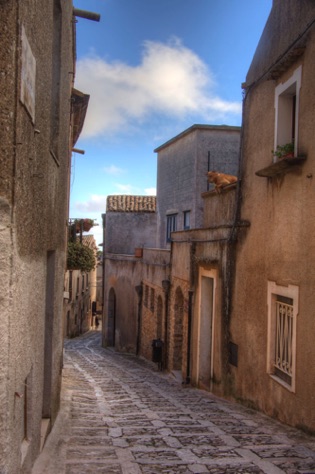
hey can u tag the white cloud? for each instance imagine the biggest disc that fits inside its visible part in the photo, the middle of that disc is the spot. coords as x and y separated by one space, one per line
114 170
171 79
150 191
127 189
96 203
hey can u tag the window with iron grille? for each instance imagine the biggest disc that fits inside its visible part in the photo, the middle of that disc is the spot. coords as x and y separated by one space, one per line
284 338
282 322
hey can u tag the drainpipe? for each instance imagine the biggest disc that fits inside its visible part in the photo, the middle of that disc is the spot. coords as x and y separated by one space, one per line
139 291
103 282
166 288
190 297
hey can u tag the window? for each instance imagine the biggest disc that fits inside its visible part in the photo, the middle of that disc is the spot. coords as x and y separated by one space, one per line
83 287
286 109
186 220
170 226
152 298
282 318
70 285
146 296
78 286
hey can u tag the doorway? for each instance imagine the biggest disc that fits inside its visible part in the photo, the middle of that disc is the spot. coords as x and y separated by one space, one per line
178 330
206 319
111 318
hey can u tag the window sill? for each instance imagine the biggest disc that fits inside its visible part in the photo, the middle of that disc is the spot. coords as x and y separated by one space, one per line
281 167
282 382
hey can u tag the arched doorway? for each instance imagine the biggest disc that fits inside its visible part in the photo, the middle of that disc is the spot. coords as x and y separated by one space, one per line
178 330
111 318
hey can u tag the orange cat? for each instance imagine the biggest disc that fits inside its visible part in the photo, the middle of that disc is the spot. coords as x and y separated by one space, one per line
220 179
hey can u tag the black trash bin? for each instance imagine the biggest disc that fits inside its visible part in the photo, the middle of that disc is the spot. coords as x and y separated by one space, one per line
157 346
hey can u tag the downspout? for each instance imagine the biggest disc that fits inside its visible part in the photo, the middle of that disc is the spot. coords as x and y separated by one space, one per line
190 298
230 268
139 290
190 312
166 288
103 282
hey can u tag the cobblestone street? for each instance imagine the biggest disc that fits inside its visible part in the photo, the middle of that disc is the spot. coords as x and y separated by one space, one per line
120 415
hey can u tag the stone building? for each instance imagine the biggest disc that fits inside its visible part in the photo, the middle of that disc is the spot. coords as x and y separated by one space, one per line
241 299
137 289
272 319
182 165
130 225
37 62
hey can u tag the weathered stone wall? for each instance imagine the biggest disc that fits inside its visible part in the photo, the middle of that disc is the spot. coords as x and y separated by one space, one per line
136 315
127 230
34 198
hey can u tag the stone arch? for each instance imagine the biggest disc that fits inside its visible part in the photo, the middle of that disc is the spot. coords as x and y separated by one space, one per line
111 318
178 329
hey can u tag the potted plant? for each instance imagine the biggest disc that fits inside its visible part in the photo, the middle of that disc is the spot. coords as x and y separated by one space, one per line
86 224
284 151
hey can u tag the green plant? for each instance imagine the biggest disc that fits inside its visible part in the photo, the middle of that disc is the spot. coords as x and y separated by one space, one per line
284 150
80 257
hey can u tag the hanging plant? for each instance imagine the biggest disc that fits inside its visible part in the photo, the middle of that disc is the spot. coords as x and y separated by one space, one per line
80 257
87 225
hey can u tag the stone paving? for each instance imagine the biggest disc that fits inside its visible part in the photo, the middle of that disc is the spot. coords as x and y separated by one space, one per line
120 415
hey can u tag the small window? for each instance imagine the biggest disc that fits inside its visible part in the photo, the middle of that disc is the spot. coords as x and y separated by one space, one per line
286 110
146 296
170 226
78 286
282 320
83 287
70 285
186 220
152 298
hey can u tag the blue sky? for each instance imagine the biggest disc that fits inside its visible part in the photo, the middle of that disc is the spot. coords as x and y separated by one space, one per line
152 69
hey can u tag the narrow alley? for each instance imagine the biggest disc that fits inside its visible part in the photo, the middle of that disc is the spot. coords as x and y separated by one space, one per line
120 415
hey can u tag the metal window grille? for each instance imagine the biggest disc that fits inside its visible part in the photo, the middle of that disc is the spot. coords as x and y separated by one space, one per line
284 338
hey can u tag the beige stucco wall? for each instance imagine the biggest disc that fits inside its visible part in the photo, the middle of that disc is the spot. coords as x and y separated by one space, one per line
279 247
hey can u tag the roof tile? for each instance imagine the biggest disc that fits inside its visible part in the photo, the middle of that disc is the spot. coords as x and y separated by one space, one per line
129 203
